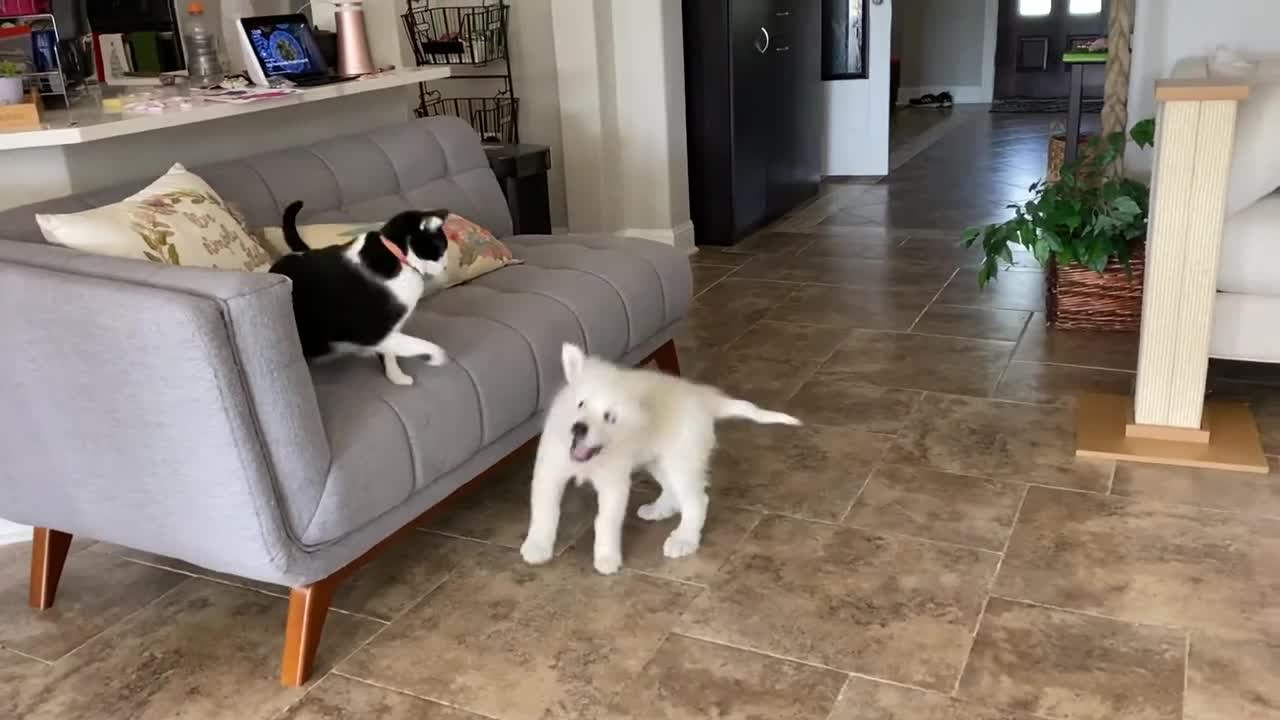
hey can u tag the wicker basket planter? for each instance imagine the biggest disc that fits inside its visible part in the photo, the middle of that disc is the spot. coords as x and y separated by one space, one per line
1081 299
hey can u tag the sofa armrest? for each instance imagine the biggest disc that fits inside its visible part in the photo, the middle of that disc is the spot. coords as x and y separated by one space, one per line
161 408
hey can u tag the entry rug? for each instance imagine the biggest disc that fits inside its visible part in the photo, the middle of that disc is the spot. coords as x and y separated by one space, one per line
1041 105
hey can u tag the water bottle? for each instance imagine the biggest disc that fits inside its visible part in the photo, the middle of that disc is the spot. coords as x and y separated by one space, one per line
201 41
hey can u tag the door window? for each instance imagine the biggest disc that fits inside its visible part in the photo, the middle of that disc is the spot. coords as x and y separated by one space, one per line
1085 7
1037 8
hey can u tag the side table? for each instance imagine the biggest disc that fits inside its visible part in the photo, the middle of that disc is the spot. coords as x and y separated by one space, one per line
522 172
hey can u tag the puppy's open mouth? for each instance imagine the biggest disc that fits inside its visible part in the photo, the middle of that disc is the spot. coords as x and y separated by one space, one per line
581 453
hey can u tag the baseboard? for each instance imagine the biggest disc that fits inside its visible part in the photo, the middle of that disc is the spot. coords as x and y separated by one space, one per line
11 533
962 94
560 230
680 236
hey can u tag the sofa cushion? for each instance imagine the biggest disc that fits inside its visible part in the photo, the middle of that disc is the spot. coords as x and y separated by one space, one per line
1250 257
503 333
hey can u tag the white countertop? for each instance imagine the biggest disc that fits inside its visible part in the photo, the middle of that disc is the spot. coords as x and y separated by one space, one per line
81 125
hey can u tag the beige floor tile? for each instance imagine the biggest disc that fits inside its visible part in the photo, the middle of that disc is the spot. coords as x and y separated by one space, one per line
989 438
1217 489
710 255
642 540
1067 665
984 323
847 272
1009 291
499 512
811 471
204 650
704 276
727 310
507 640
21 682
961 366
1041 343
382 589
844 402
871 243
1232 678
939 506
866 308
1059 384
692 679
1145 562
865 699
341 698
96 592
765 380
789 340
772 242
892 607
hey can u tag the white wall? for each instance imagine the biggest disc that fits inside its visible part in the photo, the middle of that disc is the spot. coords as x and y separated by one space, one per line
1165 31
946 45
856 137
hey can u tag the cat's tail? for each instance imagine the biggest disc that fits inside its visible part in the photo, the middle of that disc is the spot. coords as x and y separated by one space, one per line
292 237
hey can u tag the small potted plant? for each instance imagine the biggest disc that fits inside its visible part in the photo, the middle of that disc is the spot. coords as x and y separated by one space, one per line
1089 228
11 82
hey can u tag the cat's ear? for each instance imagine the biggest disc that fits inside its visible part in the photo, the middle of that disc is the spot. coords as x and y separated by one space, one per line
571 359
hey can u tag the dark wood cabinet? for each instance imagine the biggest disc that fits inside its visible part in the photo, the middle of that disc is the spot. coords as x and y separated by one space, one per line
753 97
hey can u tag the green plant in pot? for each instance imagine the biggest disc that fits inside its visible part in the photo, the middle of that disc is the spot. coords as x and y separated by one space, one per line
1089 229
11 82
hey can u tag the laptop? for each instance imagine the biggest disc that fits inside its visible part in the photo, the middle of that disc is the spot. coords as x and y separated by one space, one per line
282 46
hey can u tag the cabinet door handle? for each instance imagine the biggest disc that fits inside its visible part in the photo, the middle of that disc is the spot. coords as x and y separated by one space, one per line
762 48
784 48
783 13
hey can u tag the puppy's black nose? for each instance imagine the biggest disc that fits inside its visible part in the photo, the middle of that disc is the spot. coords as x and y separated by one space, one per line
578 429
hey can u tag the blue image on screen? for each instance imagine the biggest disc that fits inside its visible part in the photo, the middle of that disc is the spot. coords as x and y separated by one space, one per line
282 49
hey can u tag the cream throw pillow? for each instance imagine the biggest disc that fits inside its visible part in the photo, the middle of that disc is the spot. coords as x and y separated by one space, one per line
176 220
473 251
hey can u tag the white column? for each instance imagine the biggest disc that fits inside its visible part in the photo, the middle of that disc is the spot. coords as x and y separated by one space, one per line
1196 128
620 71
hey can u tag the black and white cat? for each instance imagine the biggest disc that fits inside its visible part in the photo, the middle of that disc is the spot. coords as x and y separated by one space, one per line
354 297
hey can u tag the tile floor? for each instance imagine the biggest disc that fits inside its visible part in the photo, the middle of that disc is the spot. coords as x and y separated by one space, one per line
926 547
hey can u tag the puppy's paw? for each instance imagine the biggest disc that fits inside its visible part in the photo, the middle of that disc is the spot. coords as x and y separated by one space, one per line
608 564
653 511
678 547
536 553
436 359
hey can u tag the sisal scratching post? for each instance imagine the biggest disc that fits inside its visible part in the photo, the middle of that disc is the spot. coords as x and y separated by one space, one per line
1115 94
1167 420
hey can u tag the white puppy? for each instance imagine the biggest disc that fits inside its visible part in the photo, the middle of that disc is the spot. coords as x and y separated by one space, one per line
608 421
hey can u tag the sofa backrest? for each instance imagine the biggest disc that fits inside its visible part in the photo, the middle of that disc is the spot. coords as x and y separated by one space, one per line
435 162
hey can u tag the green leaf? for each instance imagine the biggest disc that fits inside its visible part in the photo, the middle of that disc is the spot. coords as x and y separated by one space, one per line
1127 206
1143 133
970 236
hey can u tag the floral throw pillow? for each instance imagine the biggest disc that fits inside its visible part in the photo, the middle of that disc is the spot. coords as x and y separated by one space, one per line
176 220
473 250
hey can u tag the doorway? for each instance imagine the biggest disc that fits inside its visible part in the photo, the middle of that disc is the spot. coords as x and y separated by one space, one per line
1031 37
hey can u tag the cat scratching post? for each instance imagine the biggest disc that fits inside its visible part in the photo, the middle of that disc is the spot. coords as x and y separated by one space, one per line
1167 420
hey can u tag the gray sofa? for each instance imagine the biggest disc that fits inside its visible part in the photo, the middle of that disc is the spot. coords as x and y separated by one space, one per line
170 409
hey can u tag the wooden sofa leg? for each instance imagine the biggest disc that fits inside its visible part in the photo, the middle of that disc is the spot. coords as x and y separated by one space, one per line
308 607
667 359
49 550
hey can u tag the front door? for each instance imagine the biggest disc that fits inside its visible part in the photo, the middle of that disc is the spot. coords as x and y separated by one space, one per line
1031 37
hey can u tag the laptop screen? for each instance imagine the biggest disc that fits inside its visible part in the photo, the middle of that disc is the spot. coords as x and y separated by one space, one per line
284 45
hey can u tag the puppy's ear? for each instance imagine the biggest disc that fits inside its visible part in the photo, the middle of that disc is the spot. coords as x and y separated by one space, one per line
571 358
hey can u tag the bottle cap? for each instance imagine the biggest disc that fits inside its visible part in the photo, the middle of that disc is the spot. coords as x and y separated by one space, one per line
195 8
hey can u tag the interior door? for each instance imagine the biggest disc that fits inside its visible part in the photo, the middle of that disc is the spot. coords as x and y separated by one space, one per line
796 75
752 48
1031 37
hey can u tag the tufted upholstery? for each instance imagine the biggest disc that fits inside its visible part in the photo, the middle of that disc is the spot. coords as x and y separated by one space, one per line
339 456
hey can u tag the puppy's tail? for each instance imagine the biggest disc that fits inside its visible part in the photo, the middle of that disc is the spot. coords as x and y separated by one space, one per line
726 407
292 237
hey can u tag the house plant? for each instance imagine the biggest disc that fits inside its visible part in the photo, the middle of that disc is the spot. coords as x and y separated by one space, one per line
10 82
1089 229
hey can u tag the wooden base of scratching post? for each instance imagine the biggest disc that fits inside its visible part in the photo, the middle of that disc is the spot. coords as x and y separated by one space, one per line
1105 430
